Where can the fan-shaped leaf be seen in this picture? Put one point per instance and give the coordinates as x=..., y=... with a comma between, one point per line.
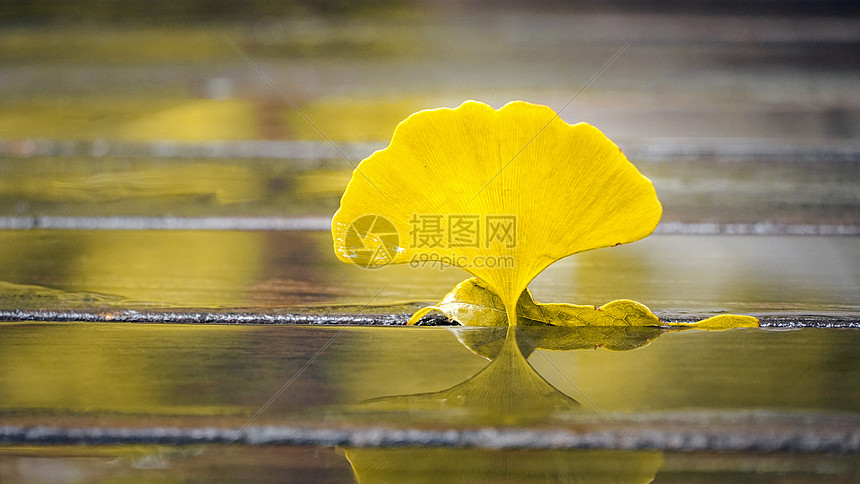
x=501, y=193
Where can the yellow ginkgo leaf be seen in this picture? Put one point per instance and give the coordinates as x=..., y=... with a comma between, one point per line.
x=473, y=303
x=723, y=321
x=500, y=193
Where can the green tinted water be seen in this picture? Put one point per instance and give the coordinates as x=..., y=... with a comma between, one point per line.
x=122, y=88
x=185, y=376
x=743, y=274
x=77, y=370
x=302, y=464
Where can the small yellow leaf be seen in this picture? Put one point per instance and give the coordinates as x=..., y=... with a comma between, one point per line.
x=473, y=303
x=616, y=313
x=723, y=321
x=530, y=188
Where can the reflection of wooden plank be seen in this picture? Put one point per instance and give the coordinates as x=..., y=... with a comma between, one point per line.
x=302, y=153
x=394, y=315
x=736, y=431
x=800, y=189
x=166, y=223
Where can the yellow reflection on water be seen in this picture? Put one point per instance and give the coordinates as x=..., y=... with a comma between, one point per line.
x=347, y=119
x=64, y=368
x=90, y=117
x=735, y=369
x=181, y=267
x=196, y=120
x=740, y=369
x=506, y=392
x=191, y=268
x=434, y=465
x=62, y=181
x=142, y=117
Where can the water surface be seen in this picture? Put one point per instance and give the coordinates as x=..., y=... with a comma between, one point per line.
x=740, y=389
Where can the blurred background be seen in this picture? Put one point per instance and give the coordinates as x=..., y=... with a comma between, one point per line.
x=189, y=155
x=120, y=119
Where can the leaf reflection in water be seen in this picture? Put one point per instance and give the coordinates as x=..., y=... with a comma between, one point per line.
x=506, y=392
x=435, y=465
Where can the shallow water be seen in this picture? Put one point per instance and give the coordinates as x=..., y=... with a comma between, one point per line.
x=327, y=465
x=746, y=124
x=745, y=391
x=756, y=183
x=696, y=274
x=131, y=371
